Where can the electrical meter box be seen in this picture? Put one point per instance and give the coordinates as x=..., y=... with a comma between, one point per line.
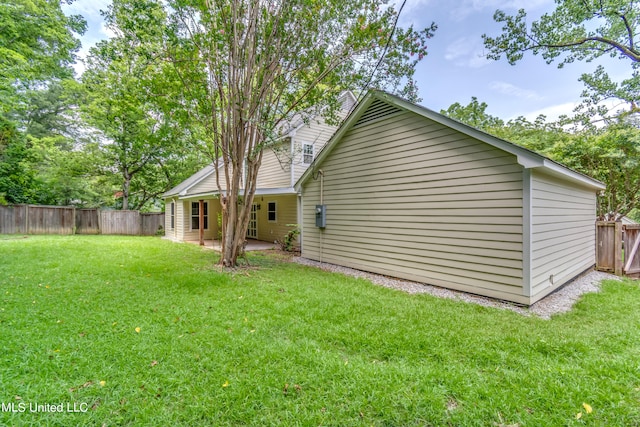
x=321, y=216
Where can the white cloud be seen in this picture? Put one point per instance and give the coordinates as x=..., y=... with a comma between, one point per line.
x=418, y=13
x=468, y=7
x=552, y=112
x=96, y=28
x=90, y=9
x=513, y=90
x=106, y=31
x=466, y=52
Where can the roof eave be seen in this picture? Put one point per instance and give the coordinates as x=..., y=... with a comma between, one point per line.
x=557, y=169
x=526, y=158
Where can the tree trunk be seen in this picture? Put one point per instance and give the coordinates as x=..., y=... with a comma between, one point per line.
x=236, y=211
x=125, y=193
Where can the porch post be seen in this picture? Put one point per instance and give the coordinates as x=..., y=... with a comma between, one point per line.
x=201, y=224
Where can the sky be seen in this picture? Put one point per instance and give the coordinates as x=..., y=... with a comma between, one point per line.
x=455, y=69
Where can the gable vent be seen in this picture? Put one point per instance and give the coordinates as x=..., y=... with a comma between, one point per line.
x=376, y=111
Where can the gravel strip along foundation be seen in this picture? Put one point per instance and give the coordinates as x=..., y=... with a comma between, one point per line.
x=560, y=301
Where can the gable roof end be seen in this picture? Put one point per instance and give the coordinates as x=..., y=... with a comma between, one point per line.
x=525, y=157
x=194, y=179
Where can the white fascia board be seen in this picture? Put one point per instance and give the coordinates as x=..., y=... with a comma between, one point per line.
x=526, y=158
x=199, y=196
x=273, y=191
x=328, y=147
x=259, y=192
x=558, y=169
x=205, y=176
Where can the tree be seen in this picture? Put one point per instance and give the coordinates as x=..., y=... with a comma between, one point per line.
x=578, y=30
x=611, y=154
x=474, y=114
x=37, y=44
x=248, y=66
x=129, y=101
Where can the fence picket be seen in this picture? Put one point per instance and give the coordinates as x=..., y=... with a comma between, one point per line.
x=34, y=219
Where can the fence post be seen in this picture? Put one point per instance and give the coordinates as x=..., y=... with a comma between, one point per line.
x=26, y=219
x=617, y=245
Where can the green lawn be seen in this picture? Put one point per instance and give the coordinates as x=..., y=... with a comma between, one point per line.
x=283, y=344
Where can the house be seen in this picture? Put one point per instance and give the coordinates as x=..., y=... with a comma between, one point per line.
x=275, y=205
x=403, y=191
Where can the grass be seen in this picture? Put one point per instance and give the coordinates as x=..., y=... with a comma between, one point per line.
x=284, y=344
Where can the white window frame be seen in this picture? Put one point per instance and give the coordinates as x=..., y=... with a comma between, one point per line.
x=305, y=153
x=206, y=216
x=275, y=212
x=172, y=215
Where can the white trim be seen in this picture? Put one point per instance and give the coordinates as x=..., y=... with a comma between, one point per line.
x=172, y=215
x=527, y=230
x=300, y=206
x=525, y=157
x=259, y=192
x=274, y=191
x=292, y=164
x=198, y=181
x=275, y=204
x=559, y=170
x=253, y=211
x=304, y=145
x=191, y=216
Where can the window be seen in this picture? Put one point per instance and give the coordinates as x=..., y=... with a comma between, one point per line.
x=173, y=215
x=307, y=154
x=271, y=211
x=195, y=215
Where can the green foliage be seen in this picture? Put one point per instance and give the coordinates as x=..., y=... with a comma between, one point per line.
x=37, y=43
x=17, y=181
x=474, y=114
x=283, y=344
x=143, y=144
x=635, y=215
x=289, y=239
x=611, y=154
x=578, y=31
x=249, y=67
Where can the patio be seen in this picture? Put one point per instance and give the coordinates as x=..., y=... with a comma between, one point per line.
x=252, y=245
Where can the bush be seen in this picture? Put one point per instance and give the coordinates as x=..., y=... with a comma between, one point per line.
x=287, y=243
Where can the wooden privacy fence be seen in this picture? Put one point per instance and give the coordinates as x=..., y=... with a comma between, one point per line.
x=131, y=223
x=618, y=248
x=28, y=219
x=33, y=219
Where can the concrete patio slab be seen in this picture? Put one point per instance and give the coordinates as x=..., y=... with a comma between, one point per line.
x=252, y=245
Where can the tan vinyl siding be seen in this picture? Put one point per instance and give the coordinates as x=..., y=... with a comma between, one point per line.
x=316, y=133
x=208, y=184
x=170, y=232
x=286, y=213
x=275, y=170
x=179, y=232
x=413, y=199
x=563, y=232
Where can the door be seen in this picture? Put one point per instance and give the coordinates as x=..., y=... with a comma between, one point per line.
x=252, y=229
